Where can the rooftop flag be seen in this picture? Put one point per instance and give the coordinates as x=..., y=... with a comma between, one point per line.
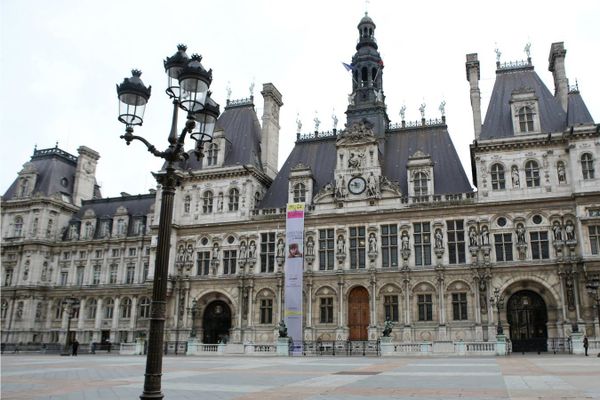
x=348, y=66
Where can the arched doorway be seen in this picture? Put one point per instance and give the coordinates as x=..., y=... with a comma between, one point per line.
x=527, y=316
x=216, y=322
x=358, y=313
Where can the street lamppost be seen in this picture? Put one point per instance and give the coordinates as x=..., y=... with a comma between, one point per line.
x=193, y=310
x=69, y=306
x=498, y=300
x=593, y=289
x=188, y=84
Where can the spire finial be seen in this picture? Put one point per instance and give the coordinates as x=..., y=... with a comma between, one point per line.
x=56, y=145
x=367, y=7
x=252, y=88
x=335, y=119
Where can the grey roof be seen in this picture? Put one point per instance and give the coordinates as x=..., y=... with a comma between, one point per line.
x=577, y=112
x=137, y=205
x=243, y=135
x=51, y=166
x=400, y=144
x=498, y=120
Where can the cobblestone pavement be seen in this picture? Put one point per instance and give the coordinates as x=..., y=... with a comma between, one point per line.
x=90, y=377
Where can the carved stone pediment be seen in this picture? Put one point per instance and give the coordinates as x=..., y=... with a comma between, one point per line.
x=357, y=133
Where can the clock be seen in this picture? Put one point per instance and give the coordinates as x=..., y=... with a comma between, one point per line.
x=357, y=185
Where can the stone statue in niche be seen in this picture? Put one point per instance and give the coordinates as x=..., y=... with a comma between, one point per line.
x=570, y=292
x=372, y=186
x=472, y=236
x=485, y=236
x=44, y=272
x=372, y=243
x=557, y=230
x=252, y=250
x=220, y=202
x=310, y=247
x=570, y=230
x=405, y=241
x=340, y=187
x=520, y=234
x=280, y=248
x=355, y=160
x=514, y=173
x=180, y=253
x=483, y=295
x=439, y=239
x=26, y=271
x=189, y=253
x=243, y=250
x=215, y=253
x=341, y=245
x=562, y=174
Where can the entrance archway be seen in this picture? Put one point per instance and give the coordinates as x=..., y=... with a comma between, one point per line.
x=216, y=322
x=358, y=313
x=527, y=315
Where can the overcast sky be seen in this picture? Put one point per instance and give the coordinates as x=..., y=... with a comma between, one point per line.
x=60, y=61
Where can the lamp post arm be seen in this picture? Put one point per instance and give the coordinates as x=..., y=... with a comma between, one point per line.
x=129, y=137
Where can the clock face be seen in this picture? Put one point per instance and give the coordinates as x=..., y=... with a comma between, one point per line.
x=357, y=185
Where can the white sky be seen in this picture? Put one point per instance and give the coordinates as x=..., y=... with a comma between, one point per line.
x=60, y=61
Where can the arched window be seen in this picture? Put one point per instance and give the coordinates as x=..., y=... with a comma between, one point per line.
x=212, y=153
x=587, y=166
x=126, y=308
x=420, y=184
x=299, y=193
x=18, y=227
x=498, y=182
x=207, y=202
x=92, y=306
x=532, y=174
x=109, y=306
x=144, y=307
x=525, y=119
x=186, y=204
x=234, y=199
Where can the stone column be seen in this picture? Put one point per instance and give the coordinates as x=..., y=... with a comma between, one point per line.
x=309, y=288
x=280, y=313
x=341, y=304
x=563, y=296
x=250, y=305
x=115, y=317
x=81, y=318
x=133, y=317
x=98, y=322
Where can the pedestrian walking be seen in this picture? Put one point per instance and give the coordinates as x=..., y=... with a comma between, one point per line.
x=75, y=347
x=585, y=345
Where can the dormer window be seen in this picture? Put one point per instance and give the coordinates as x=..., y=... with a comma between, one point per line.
x=211, y=154
x=299, y=193
x=532, y=174
x=207, y=202
x=420, y=184
x=234, y=199
x=525, y=116
x=121, y=227
x=498, y=181
x=24, y=187
x=587, y=166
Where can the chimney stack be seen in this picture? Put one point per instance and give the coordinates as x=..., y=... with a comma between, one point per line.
x=270, y=129
x=556, y=65
x=473, y=76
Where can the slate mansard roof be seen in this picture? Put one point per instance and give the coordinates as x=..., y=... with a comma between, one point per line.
x=136, y=205
x=398, y=144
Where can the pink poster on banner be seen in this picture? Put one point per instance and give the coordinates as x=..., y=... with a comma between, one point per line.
x=294, y=269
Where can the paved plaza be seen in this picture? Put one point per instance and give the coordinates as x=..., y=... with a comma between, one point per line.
x=89, y=377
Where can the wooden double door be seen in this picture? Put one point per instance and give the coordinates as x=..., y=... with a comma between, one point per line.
x=358, y=314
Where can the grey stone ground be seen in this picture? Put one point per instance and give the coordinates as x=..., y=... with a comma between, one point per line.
x=121, y=377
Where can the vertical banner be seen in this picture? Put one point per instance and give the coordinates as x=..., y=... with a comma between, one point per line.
x=294, y=270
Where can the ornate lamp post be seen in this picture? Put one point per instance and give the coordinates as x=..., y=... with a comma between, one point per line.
x=193, y=310
x=497, y=300
x=69, y=306
x=593, y=289
x=188, y=84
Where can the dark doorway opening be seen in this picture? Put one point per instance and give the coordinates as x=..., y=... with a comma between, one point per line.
x=358, y=314
x=216, y=322
x=527, y=316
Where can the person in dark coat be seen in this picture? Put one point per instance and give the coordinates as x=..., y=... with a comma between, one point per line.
x=585, y=345
x=75, y=347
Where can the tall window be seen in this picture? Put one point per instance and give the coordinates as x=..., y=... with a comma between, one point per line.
x=8, y=274
x=267, y=252
x=64, y=278
x=299, y=193
x=109, y=306
x=187, y=200
x=326, y=249
x=212, y=153
x=326, y=310
x=587, y=166
x=422, y=234
x=18, y=227
x=113, y=273
x=144, y=307
x=207, y=202
x=4, y=309
x=234, y=199
x=50, y=228
x=420, y=184
x=79, y=276
x=121, y=227
x=229, y=261
x=532, y=174
x=126, y=308
x=594, y=231
x=539, y=245
x=357, y=247
x=425, y=306
x=459, y=306
x=456, y=241
x=96, y=275
x=525, y=119
x=503, y=246
x=92, y=306
x=498, y=182
x=203, y=263
x=389, y=246
x=130, y=278
x=390, y=306
x=146, y=271
x=266, y=311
